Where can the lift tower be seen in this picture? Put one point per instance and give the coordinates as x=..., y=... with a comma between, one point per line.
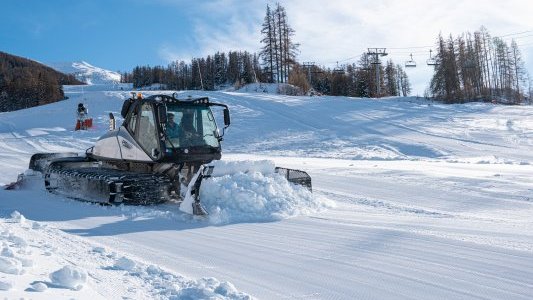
x=376, y=53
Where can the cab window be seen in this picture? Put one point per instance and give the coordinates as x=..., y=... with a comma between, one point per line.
x=132, y=123
x=209, y=128
x=146, y=132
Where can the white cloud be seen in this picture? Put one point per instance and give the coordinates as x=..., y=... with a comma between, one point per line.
x=170, y=53
x=233, y=32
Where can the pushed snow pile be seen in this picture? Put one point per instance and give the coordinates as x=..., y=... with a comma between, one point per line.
x=251, y=191
x=17, y=217
x=70, y=277
x=211, y=288
x=6, y=252
x=10, y=265
x=125, y=263
x=5, y=286
x=39, y=287
x=233, y=167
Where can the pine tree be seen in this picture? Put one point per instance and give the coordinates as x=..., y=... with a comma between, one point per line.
x=478, y=68
x=390, y=79
x=520, y=73
x=279, y=51
x=403, y=79
x=267, y=52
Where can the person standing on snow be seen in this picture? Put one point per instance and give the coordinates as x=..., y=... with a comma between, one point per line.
x=82, y=112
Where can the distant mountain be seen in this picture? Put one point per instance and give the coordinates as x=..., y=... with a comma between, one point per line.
x=26, y=83
x=87, y=73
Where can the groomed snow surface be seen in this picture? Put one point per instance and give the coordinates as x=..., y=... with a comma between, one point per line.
x=411, y=200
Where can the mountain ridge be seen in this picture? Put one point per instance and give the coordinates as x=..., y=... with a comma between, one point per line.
x=26, y=83
x=87, y=73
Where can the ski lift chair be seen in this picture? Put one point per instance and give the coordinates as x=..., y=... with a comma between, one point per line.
x=338, y=70
x=431, y=61
x=410, y=63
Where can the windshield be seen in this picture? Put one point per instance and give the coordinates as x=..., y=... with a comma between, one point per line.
x=190, y=126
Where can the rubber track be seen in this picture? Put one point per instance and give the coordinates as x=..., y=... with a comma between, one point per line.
x=110, y=186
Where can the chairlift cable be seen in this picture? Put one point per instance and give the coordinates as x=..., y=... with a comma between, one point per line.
x=517, y=33
x=402, y=48
x=431, y=47
x=521, y=37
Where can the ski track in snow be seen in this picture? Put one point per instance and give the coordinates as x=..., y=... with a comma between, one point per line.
x=412, y=200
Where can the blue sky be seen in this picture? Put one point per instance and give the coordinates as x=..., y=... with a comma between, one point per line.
x=120, y=34
x=113, y=34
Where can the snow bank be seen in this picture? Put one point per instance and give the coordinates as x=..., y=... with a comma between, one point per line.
x=14, y=250
x=68, y=260
x=211, y=288
x=271, y=88
x=169, y=286
x=251, y=191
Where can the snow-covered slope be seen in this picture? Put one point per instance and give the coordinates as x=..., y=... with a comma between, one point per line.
x=88, y=73
x=412, y=200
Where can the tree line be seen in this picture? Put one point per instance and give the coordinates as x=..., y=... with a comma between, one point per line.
x=275, y=63
x=25, y=83
x=209, y=73
x=361, y=79
x=239, y=68
x=473, y=67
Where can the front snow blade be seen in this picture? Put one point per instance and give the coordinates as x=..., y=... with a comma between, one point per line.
x=40, y=161
x=191, y=202
x=296, y=177
x=15, y=184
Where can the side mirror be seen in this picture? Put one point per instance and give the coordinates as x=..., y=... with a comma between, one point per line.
x=227, y=119
x=125, y=107
x=162, y=113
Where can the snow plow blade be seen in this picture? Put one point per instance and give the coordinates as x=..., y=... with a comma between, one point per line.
x=296, y=176
x=40, y=161
x=191, y=199
x=15, y=184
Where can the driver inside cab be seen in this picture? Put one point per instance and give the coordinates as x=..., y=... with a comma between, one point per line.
x=188, y=133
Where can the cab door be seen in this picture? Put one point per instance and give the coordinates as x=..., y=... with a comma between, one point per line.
x=128, y=137
x=147, y=132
